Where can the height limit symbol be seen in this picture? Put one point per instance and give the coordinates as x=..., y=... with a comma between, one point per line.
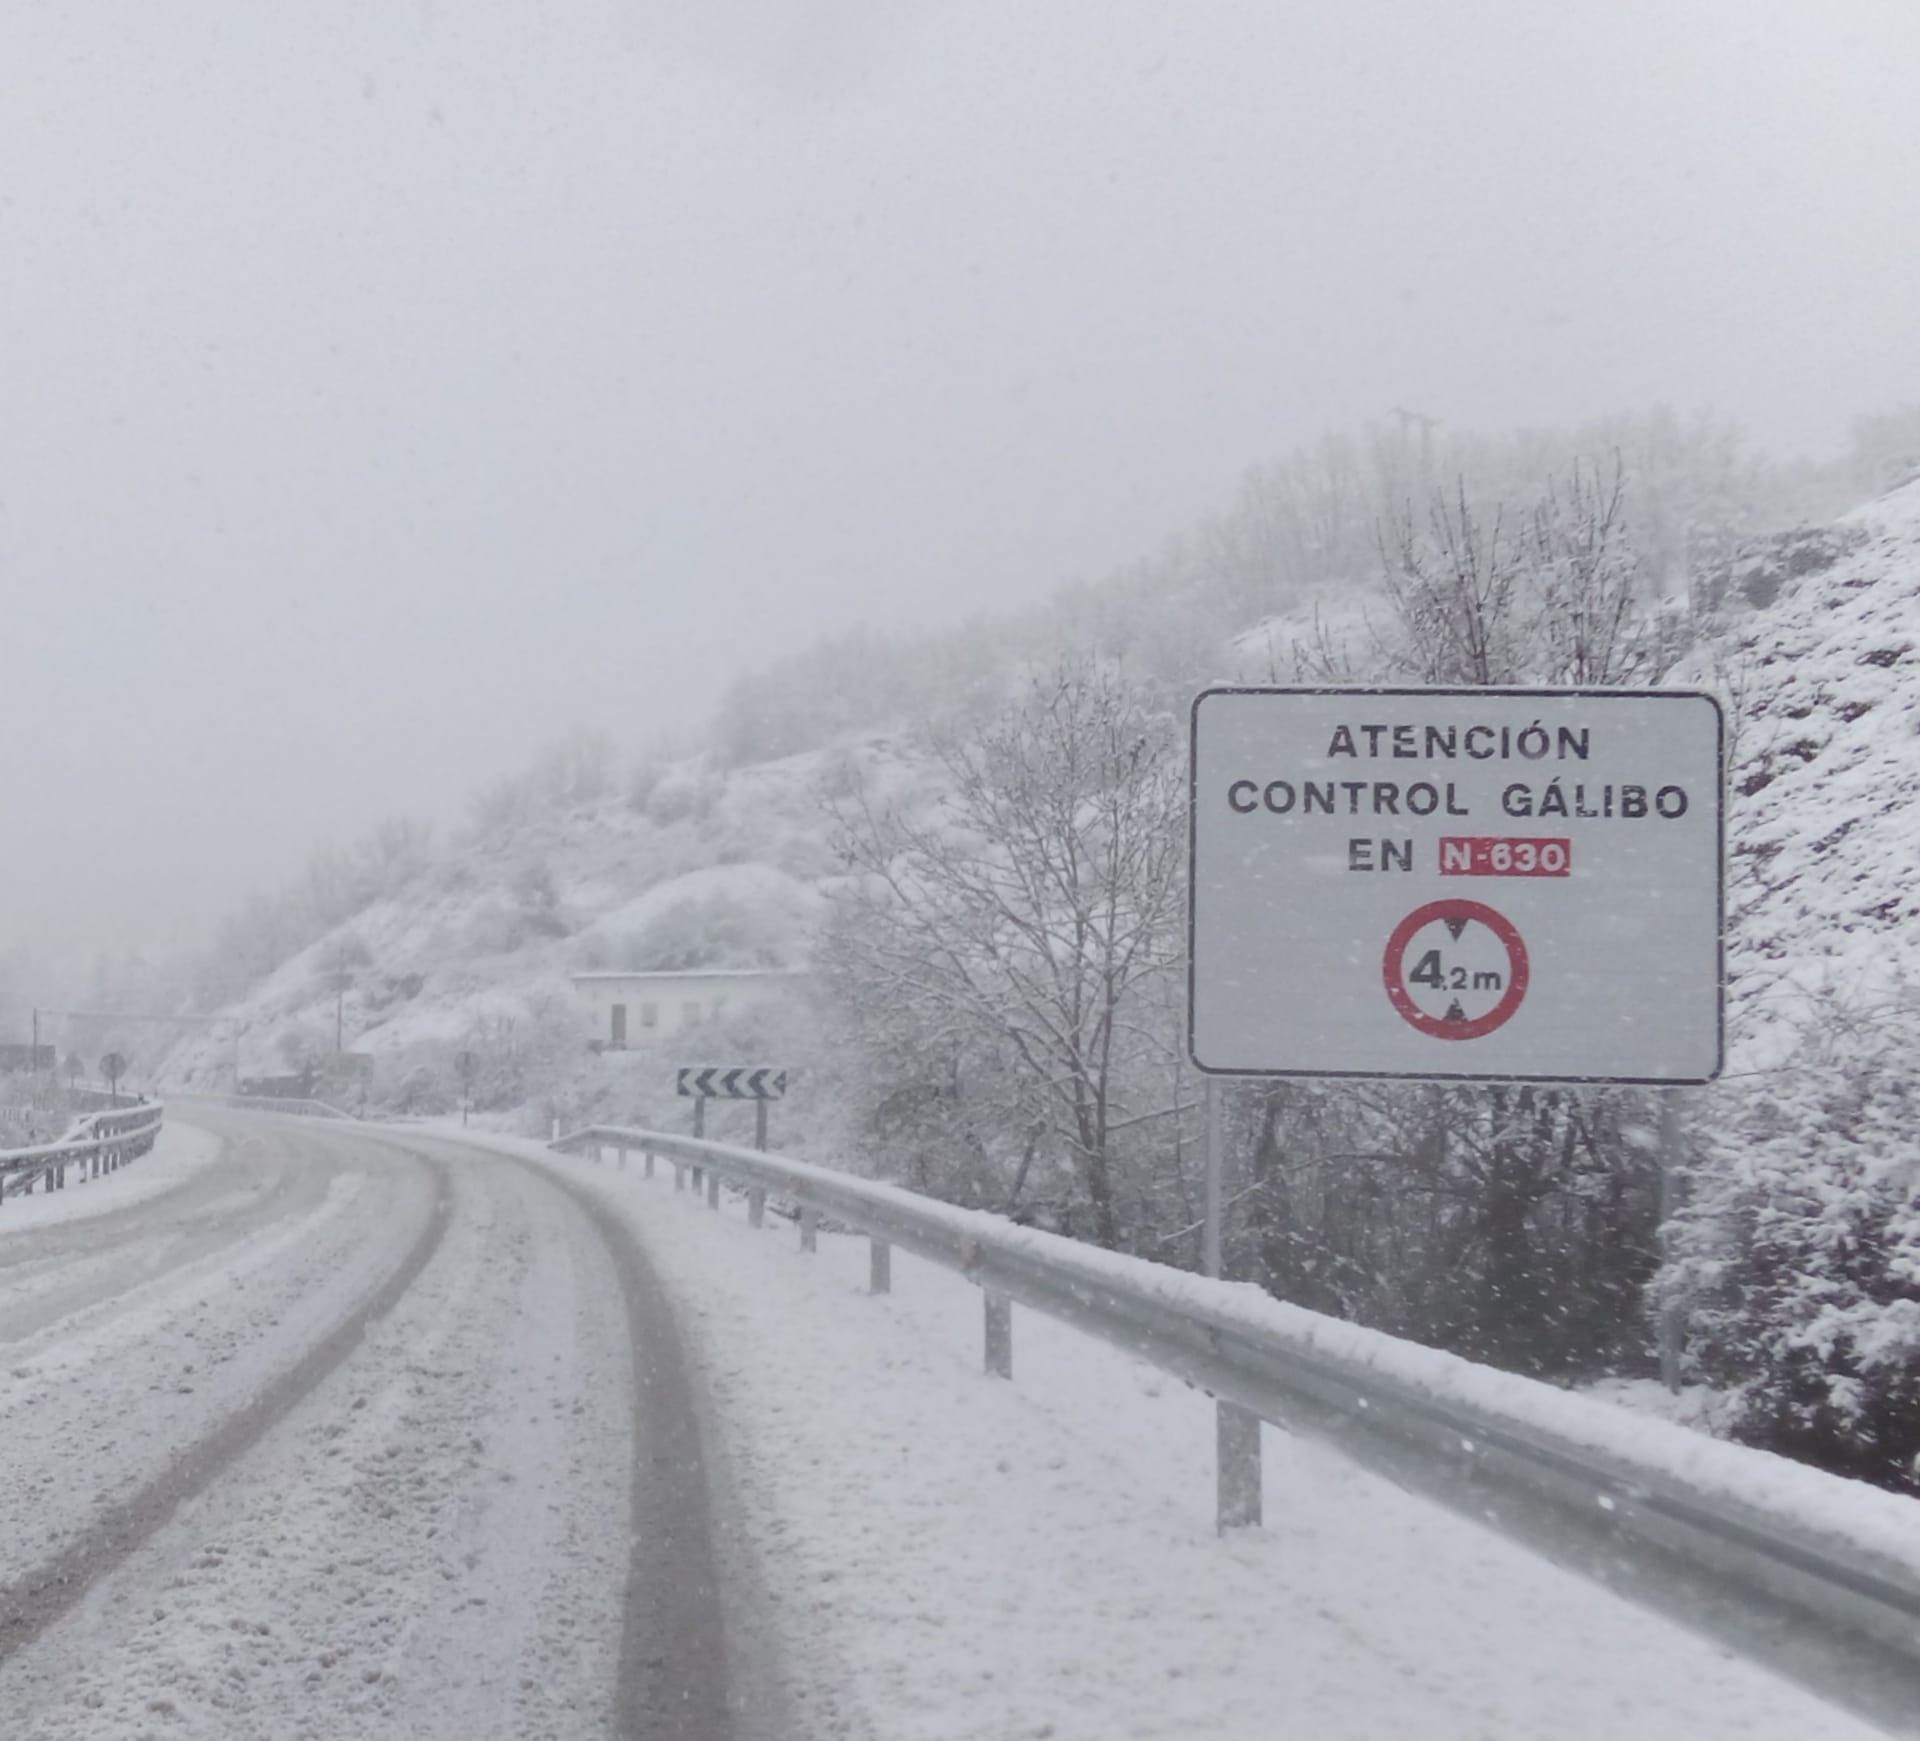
x=1456, y=969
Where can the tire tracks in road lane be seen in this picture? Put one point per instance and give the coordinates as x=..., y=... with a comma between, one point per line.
x=687, y=1648
x=47, y=1274
x=32, y=1603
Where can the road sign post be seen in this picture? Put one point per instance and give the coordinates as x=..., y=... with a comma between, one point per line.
x=1466, y=885
x=113, y=1067
x=759, y=1083
x=465, y=1063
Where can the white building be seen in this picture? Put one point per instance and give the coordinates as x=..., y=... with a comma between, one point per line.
x=626, y=1009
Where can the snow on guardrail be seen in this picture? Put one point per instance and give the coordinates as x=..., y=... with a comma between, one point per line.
x=1817, y=1576
x=98, y=1144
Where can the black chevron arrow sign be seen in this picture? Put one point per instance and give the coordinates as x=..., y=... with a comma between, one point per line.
x=733, y=1081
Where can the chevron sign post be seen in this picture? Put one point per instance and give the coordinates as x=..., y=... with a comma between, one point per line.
x=759, y=1083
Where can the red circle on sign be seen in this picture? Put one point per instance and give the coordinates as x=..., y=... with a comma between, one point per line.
x=1468, y=912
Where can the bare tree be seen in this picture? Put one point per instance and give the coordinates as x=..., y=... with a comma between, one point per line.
x=1022, y=917
x=1550, y=595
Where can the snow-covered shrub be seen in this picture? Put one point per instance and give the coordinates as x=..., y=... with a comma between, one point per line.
x=682, y=794
x=538, y=898
x=714, y=930
x=1796, y=1269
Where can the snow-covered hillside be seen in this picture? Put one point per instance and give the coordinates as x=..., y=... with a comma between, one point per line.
x=713, y=868
x=704, y=869
x=1824, y=818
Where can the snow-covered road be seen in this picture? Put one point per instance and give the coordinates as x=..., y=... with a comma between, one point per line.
x=330, y=1433
x=338, y=1438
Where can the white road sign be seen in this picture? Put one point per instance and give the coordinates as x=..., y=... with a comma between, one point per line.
x=1479, y=884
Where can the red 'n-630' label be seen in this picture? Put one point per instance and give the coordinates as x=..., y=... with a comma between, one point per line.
x=1486, y=855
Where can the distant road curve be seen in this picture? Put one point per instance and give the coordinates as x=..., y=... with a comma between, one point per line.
x=356, y=1434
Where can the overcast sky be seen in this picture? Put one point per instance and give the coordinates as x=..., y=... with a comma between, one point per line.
x=385, y=386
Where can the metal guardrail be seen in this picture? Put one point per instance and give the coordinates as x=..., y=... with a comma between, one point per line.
x=1718, y=1548
x=98, y=1144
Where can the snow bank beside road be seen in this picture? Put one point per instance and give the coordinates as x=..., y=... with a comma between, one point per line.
x=956, y=1559
x=1772, y=1491
x=181, y=1151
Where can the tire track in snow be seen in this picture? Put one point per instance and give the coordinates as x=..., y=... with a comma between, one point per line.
x=432, y=1547
x=678, y=1679
x=48, y=1275
x=31, y=1604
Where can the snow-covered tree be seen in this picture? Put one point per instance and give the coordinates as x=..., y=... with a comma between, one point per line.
x=1015, y=926
x=1796, y=1269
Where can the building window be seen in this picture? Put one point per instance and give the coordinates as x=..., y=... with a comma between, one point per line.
x=649, y=1015
x=619, y=1026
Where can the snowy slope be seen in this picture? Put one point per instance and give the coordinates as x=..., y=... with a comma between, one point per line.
x=705, y=868
x=1823, y=823
x=489, y=933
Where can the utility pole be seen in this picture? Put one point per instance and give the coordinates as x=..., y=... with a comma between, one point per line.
x=1426, y=425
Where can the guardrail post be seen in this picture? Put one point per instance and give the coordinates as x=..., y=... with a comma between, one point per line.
x=879, y=1267
x=713, y=1190
x=646, y=1155
x=809, y=1229
x=679, y=1177
x=620, y=1155
x=1237, y=1460
x=699, y=1178
x=756, y=1207
x=999, y=1335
